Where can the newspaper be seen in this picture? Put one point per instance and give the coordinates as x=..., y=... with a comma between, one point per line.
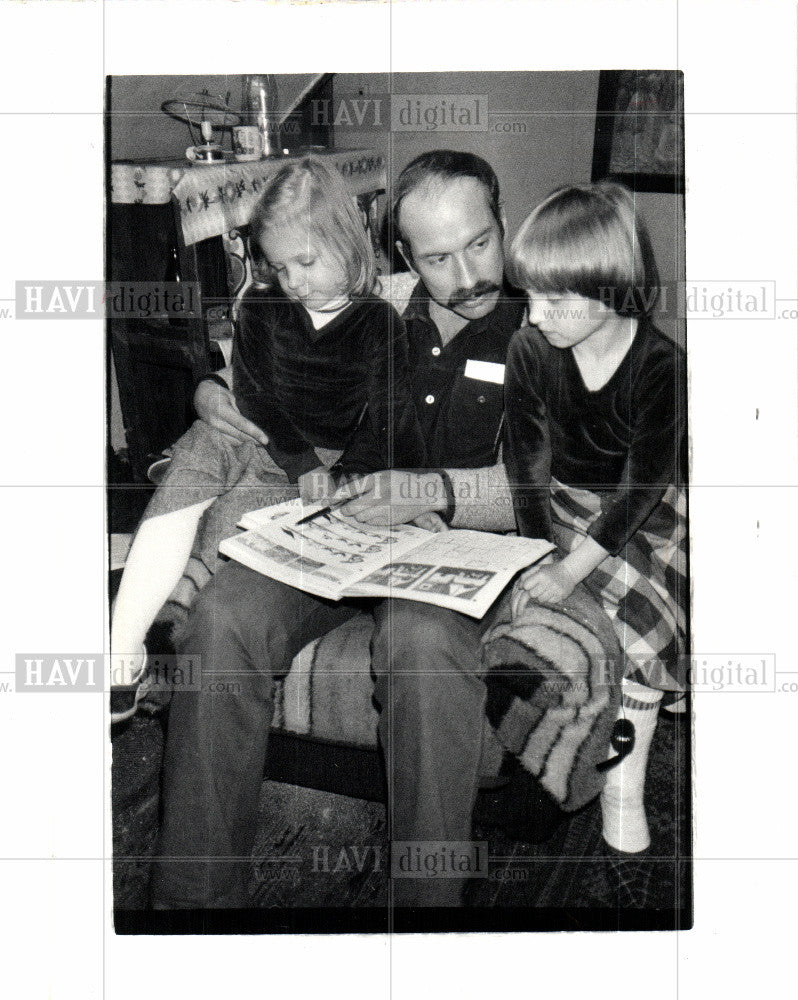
x=335, y=556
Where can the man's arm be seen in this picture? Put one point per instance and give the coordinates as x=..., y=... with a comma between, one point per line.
x=482, y=498
x=215, y=404
x=475, y=498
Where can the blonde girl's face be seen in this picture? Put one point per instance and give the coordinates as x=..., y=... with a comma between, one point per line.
x=566, y=319
x=308, y=273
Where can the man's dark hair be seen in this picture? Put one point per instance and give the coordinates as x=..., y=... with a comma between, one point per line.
x=444, y=165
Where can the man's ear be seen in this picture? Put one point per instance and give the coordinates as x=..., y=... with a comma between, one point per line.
x=406, y=256
x=503, y=220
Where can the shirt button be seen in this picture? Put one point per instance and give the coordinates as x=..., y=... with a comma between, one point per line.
x=436, y=351
x=480, y=399
x=429, y=399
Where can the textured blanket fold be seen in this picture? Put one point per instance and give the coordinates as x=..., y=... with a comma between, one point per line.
x=554, y=689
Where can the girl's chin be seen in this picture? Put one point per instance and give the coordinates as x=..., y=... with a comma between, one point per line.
x=318, y=302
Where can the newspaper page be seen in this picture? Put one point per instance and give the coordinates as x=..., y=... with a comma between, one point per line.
x=324, y=556
x=335, y=556
x=462, y=570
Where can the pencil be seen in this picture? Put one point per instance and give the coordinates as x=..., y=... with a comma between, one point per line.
x=322, y=512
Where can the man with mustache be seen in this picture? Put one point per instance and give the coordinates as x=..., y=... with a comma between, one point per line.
x=448, y=225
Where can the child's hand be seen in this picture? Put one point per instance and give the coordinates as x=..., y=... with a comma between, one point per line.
x=217, y=407
x=551, y=584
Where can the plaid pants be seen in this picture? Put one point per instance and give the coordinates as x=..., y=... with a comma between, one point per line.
x=644, y=589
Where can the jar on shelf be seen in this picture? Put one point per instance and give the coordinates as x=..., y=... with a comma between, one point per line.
x=260, y=108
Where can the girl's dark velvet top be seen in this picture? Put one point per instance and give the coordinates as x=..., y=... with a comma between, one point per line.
x=342, y=387
x=623, y=441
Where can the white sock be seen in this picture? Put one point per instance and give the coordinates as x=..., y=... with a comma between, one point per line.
x=623, y=813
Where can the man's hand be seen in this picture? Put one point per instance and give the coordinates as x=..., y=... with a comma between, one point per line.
x=551, y=583
x=217, y=407
x=431, y=522
x=316, y=485
x=392, y=497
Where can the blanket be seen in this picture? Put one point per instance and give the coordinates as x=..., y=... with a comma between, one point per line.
x=554, y=689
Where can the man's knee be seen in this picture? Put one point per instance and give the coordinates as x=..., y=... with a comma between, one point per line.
x=251, y=621
x=226, y=611
x=414, y=638
x=405, y=630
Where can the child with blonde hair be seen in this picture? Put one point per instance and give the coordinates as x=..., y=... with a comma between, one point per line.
x=319, y=365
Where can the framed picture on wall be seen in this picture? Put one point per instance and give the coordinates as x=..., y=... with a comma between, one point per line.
x=639, y=137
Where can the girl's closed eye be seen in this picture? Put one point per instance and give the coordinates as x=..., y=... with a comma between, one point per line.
x=307, y=270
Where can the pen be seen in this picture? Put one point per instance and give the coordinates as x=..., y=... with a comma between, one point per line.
x=322, y=512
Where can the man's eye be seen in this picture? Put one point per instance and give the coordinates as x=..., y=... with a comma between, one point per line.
x=308, y=263
x=481, y=244
x=439, y=260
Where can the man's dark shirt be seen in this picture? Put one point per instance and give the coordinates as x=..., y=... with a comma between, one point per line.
x=461, y=418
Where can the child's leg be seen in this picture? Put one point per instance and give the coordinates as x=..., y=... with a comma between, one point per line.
x=154, y=565
x=203, y=464
x=622, y=810
x=260, y=483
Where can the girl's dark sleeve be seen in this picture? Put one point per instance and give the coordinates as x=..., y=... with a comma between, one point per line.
x=253, y=389
x=388, y=435
x=527, y=451
x=658, y=431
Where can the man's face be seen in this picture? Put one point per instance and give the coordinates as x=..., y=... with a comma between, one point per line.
x=454, y=243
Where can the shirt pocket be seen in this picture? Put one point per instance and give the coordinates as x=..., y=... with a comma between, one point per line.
x=475, y=420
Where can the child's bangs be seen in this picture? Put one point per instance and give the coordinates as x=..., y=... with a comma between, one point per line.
x=572, y=248
x=541, y=262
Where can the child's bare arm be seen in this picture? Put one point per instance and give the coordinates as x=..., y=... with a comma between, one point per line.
x=553, y=582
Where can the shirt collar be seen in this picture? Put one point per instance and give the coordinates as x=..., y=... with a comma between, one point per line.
x=418, y=304
x=507, y=308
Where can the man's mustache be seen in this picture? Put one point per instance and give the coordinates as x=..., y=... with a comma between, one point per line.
x=466, y=294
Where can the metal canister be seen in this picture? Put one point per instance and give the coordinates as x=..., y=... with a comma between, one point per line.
x=260, y=106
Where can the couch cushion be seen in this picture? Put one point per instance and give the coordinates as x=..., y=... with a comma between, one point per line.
x=328, y=691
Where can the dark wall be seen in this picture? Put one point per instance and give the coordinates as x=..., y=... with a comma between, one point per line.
x=140, y=130
x=541, y=136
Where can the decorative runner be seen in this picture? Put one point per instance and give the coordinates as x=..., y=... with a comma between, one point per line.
x=216, y=198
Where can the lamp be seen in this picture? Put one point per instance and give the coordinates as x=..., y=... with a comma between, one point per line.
x=207, y=112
